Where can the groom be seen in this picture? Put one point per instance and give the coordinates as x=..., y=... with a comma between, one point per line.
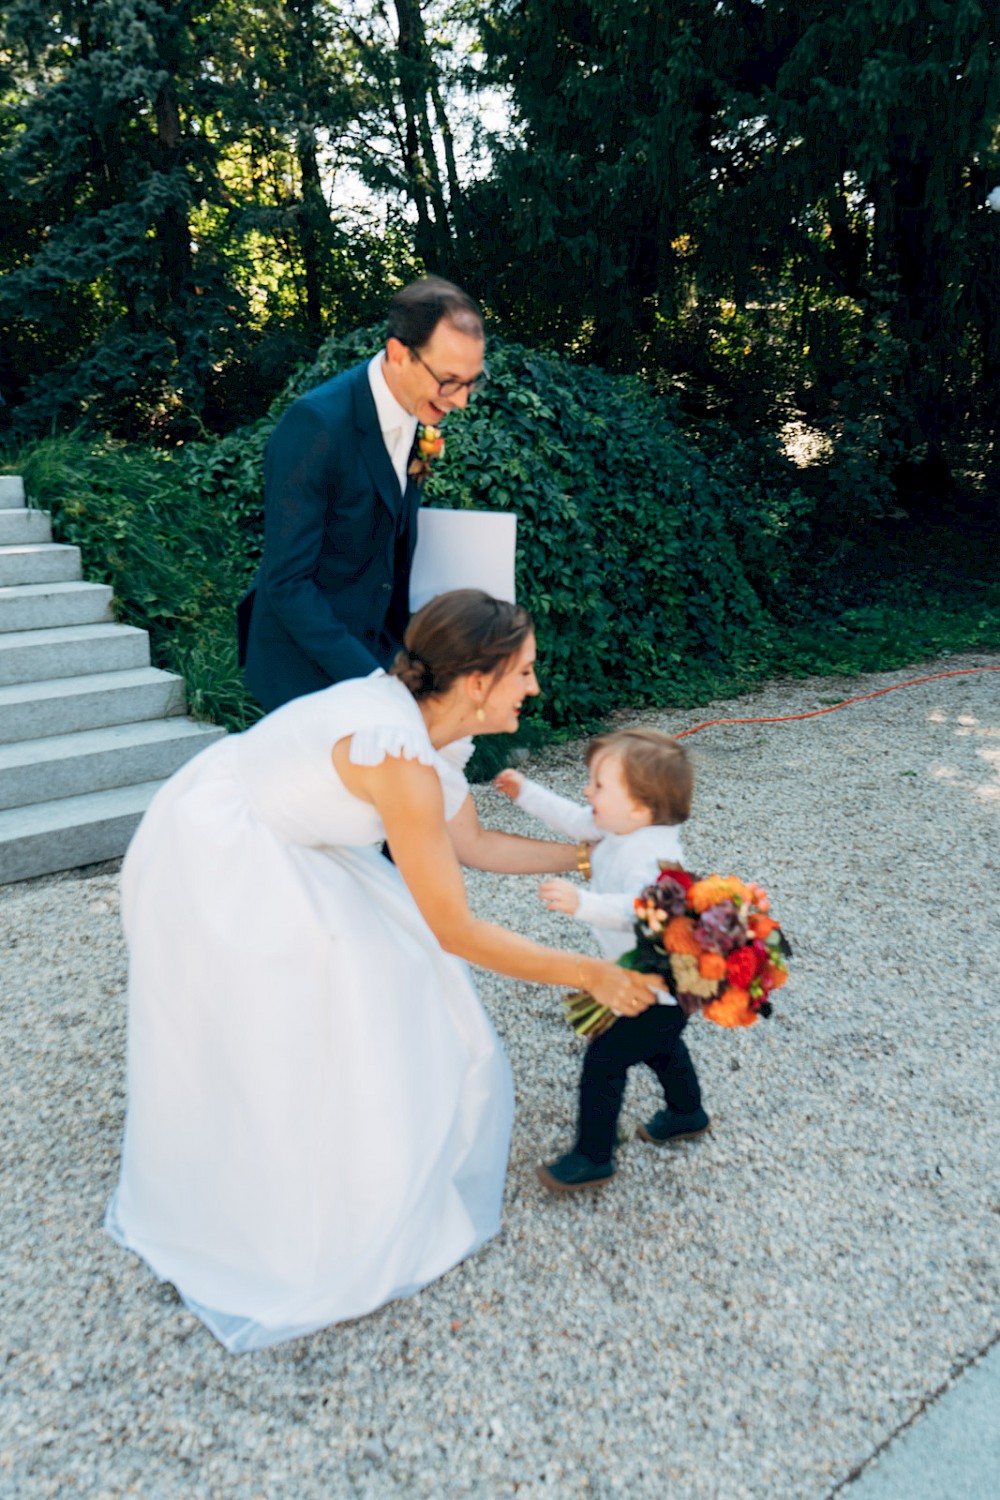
x=331, y=596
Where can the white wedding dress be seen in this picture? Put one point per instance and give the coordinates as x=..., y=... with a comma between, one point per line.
x=319, y=1110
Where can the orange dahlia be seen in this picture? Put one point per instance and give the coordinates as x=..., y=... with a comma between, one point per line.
x=678, y=937
x=712, y=966
x=760, y=925
x=716, y=888
x=731, y=1009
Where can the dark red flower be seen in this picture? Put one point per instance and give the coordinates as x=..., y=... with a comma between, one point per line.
x=683, y=879
x=763, y=957
x=741, y=967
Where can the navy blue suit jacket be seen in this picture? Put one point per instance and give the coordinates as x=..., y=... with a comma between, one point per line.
x=331, y=596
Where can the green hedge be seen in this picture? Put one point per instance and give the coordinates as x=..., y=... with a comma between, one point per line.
x=650, y=569
x=655, y=572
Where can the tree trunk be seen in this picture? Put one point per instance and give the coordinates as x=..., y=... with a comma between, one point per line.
x=920, y=260
x=613, y=343
x=173, y=230
x=314, y=223
x=433, y=238
x=455, y=201
x=626, y=286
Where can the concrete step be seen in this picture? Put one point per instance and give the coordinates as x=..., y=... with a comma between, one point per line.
x=34, y=711
x=70, y=651
x=71, y=831
x=95, y=760
x=20, y=526
x=39, y=562
x=11, y=491
x=41, y=606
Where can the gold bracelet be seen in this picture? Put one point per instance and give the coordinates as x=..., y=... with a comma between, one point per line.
x=583, y=858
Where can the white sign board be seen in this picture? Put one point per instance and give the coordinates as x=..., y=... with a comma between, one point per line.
x=463, y=549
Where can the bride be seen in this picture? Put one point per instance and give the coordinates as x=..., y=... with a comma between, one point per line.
x=319, y=1110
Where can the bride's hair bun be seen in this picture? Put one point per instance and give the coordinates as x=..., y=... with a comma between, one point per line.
x=465, y=630
x=413, y=672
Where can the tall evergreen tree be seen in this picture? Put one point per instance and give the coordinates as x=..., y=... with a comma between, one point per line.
x=818, y=163
x=106, y=165
x=610, y=98
x=858, y=129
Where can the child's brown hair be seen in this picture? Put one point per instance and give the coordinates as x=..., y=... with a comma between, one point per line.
x=656, y=769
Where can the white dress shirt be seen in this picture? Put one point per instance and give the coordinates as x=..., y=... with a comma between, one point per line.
x=621, y=864
x=397, y=426
x=398, y=432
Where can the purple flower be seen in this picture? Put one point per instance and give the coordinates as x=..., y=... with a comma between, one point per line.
x=669, y=896
x=719, y=929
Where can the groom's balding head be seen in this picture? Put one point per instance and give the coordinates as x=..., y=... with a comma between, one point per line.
x=416, y=311
x=434, y=349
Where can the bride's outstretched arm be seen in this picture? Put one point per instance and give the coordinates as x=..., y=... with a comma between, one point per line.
x=408, y=798
x=482, y=848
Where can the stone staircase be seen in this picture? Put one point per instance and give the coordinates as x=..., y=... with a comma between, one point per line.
x=88, y=729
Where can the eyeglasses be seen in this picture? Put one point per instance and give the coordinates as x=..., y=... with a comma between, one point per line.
x=452, y=387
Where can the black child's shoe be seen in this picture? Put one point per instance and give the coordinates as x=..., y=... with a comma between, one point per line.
x=574, y=1171
x=670, y=1125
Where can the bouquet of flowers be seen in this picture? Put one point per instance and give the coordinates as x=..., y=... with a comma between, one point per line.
x=711, y=939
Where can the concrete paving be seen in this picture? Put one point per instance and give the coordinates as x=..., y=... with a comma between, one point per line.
x=775, y=1312
x=950, y=1452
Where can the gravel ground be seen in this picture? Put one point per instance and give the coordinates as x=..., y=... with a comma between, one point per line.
x=747, y=1316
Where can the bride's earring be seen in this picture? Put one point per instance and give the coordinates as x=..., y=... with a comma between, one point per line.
x=480, y=716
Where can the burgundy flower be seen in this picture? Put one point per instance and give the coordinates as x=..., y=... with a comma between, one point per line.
x=761, y=955
x=669, y=896
x=719, y=929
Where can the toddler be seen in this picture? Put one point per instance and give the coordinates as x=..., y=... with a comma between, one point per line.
x=639, y=790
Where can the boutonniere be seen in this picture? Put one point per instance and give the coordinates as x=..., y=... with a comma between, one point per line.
x=429, y=446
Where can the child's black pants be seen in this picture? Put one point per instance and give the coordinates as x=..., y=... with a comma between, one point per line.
x=653, y=1038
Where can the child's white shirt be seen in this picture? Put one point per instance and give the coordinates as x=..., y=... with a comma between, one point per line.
x=621, y=863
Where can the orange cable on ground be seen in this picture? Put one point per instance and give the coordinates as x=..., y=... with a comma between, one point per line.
x=786, y=718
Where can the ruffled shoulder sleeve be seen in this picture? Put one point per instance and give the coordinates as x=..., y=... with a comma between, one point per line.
x=370, y=746
x=394, y=727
